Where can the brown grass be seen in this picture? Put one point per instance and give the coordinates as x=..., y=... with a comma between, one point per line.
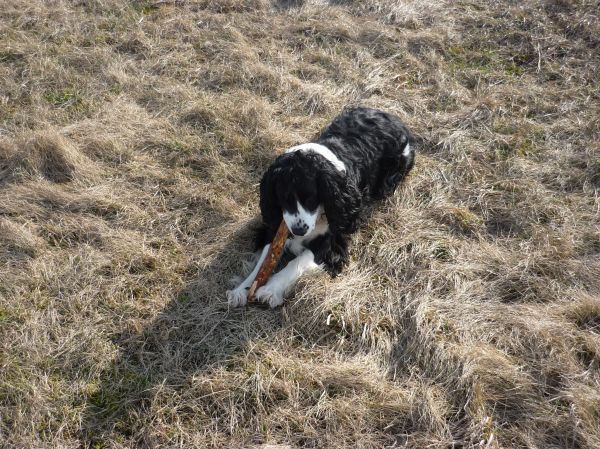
x=132, y=139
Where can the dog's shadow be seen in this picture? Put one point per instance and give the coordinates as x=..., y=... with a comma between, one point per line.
x=195, y=332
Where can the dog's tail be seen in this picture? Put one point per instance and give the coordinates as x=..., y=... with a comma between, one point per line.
x=397, y=163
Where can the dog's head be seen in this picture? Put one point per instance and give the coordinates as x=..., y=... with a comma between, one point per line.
x=300, y=186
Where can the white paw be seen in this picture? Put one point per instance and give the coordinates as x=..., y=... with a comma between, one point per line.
x=237, y=297
x=270, y=294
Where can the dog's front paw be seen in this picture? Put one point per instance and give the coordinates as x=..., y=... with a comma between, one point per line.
x=237, y=297
x=270, y=295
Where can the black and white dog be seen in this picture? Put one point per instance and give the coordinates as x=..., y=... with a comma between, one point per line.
x=322, y=189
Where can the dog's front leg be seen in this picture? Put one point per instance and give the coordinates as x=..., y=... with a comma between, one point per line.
x=239, y=296
x=274, y=290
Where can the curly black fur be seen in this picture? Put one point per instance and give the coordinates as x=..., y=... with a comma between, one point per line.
x=372, y=145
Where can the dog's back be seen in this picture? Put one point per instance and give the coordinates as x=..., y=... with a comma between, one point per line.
x=376, y=143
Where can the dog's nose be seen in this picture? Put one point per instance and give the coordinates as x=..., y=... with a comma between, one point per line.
x=299, y=230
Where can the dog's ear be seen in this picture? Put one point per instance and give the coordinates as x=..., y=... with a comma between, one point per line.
x=340, y=197
x=269, y=204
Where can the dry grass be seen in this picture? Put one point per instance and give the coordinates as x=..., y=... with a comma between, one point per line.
x=132, y=138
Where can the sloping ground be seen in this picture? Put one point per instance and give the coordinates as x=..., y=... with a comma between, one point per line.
x=132, y=139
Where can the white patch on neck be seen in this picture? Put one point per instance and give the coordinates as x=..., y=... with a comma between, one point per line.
x=323, y=151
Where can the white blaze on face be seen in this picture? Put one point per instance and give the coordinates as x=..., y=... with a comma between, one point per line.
x=302, y=219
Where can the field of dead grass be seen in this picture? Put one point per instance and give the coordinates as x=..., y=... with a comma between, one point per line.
x=132, y=139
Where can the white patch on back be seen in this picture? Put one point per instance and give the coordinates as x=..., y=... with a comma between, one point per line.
x=323, y=151
x=406, y=150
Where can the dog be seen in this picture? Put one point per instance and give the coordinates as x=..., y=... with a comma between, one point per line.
x=324, y=190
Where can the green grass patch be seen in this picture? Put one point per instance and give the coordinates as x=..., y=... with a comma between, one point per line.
x=504, y=150
x=184, y=297
x=518, y=138
x=595, y=172
x=463, y=59
x=146, y=8
x=513, y=69
x=64, y=98
x=441, y=252
x=92, y=41
x=7, y=317
x=10, y=56
x=485, y=61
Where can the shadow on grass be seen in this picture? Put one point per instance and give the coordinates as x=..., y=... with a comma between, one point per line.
x=283, y=5
x=194, y=333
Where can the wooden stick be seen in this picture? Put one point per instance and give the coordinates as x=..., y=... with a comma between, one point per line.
x=271, y=259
